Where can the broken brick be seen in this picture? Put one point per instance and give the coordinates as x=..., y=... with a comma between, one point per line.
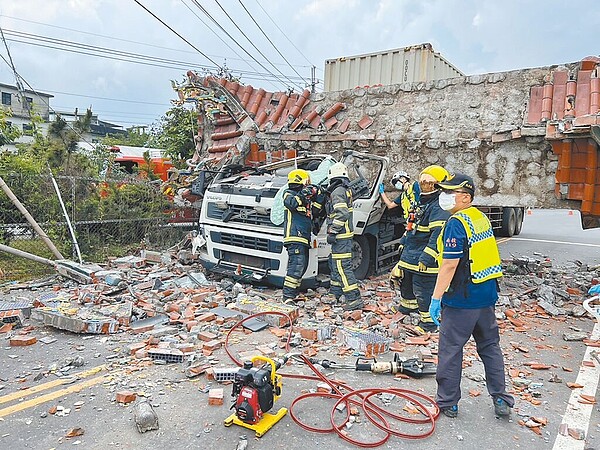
x=21, y=341
x=215, y=397
x=207, y=317
x=126, y=396
x=212, y=345
x=6, y=328
x=207, y=336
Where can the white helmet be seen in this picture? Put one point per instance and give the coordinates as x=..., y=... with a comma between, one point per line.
x=337, y=170
x=398, y=175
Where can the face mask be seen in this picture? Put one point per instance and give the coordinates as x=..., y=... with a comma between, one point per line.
x=447, y=201
x=399, y=185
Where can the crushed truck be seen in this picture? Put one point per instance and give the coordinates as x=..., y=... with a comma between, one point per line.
x=242, y=220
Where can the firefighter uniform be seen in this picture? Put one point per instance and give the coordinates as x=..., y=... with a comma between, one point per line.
x=408, y=199
x=340, y=231
x=297, y=226
x=418, y=258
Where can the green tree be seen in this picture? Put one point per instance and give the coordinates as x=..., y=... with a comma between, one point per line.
x=136, y=137
x=175, y=133
x=8, y=132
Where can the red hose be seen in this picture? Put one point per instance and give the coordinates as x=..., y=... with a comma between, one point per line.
x=366, y=404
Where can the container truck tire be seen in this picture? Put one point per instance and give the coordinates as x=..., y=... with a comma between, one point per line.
x=509, y=219
x=361, y=257
x=519, y=220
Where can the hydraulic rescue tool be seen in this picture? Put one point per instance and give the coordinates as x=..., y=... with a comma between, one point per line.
x=255, y=390
x=412, y=367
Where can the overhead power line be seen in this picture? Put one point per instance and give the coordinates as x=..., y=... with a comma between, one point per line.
x=270, y=41
x=254, y=45
x=216, y=22
x=146, y=44
x=179, y=35
x=117, y=55
x=285, y=35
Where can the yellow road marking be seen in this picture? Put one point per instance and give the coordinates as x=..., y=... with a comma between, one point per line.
x=49, y=385
x=52, y=395
x=502, y=240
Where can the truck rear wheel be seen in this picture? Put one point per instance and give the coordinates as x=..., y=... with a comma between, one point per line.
x=361, y=257
x=518, y=221
x=509, y=219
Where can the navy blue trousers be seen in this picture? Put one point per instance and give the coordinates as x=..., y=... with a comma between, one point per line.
x=456, y=328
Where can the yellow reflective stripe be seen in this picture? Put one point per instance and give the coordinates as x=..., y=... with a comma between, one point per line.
x=340, y=205
x=409, y=303
x=430, y=252
x=317, y=205
x=298, y=199
x=301, y=208
x=345, y=286
x=341, y=223
x=341, y=255
x=423, y=229
x=345, y=235
x=288, y=229
x=295, y=239
x=437, y=224
x=335, y=283
x=415, y=268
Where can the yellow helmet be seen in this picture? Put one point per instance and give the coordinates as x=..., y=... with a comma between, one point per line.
x=437, y=172
x=299, y=176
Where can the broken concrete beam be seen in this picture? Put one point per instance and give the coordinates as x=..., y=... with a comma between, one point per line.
x=75, y=324
x=133, y=262
x=549, y=308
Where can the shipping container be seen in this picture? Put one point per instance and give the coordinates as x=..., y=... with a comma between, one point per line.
x=403, y=65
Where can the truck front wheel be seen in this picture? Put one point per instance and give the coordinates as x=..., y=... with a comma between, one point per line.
x=361, y=257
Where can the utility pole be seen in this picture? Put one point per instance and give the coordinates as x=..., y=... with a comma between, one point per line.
x=313, y=79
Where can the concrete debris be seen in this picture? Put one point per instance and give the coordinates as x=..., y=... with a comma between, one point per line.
x=145, y=417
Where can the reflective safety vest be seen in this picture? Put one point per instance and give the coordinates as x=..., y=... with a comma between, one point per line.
x=484, y=258
x=409, y=199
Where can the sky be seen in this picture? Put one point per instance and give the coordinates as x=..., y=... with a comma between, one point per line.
x=476, y=36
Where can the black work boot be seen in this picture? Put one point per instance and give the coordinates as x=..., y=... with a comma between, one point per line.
x=501, y=408
x=450, y=411
x=352, y=305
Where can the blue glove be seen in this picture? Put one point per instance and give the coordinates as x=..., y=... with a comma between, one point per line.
x=594, y=290
x=435, y=310
x=381, y=188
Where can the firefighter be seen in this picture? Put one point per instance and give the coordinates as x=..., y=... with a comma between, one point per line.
x=409, y=194
x=340, y=233
x=297, y=227
x=416, y=272
x=464, y=298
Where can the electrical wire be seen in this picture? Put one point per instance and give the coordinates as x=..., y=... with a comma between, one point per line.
x=282, y=32
x=206, y=13
x=178, y=35
x=271, y=42
x=253, y=45
x=239, y=58
x=117, y=55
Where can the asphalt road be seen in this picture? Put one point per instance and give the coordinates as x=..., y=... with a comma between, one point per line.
x=187, y=422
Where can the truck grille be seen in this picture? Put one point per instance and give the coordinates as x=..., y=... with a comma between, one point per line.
x=238, y=214
x=240, y=241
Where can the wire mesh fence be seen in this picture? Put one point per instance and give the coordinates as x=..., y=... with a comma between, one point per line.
x=109, y=218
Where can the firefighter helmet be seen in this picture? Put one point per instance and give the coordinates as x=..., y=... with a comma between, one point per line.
x=338, y=170
x=299, y=176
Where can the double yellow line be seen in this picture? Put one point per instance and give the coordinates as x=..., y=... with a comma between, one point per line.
x=76, y=387
x=502, y=240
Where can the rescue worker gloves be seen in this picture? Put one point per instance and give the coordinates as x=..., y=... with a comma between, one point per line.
x=331, y=239
x=308, y=192
x=422, y=267
x=338, y=170
x=425, y=261
x=381, y=188
x=396, y=276
x=594, y=290
x=299, y=176
x=435, y=310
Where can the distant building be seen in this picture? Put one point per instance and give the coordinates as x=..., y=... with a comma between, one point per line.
x=36, y=102
x=98, y=128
